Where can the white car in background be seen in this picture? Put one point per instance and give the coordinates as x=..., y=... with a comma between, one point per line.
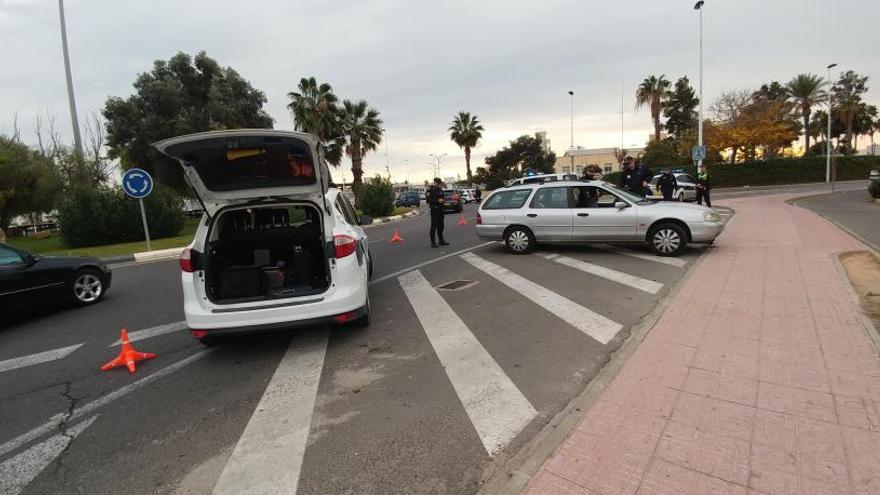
x=686, y=190
x=277, y=247
x=467, y=196
x=584, y=212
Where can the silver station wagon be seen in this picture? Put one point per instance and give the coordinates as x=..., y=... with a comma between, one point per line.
x=568, y=212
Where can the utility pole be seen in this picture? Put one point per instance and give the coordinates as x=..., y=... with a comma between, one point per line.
x=828, y=149
x=699, y=7
x=571, y=97
x=77, y=140
x=621, y=126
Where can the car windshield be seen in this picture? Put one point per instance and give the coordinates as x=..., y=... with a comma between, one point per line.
x=626, y=194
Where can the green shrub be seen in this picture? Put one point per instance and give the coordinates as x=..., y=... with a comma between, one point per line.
x=92, y=216
x=376, y=197
x=779, y=171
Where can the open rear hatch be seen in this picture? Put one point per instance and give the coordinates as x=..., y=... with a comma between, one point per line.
x=237, y=166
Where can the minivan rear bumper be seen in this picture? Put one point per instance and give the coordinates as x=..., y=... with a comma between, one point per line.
x=340, y=319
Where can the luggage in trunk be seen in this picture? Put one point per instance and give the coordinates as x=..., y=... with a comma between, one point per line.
x=266, y=252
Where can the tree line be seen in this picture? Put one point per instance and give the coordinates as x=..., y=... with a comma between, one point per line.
x=746, y=125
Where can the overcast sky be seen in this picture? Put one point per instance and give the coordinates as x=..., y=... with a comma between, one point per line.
x=511, y=62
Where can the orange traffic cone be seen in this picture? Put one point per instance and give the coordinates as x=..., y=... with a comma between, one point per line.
x=462, y=220
x=396, y=237
x=128, y=356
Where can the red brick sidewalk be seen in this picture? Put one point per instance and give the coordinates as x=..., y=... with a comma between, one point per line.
x=759, y=378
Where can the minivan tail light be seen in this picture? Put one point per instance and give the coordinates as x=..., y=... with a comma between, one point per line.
x=186, y=262
x=479, y=219
x=344, y=244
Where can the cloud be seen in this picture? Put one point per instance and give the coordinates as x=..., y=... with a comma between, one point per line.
x=510, y=62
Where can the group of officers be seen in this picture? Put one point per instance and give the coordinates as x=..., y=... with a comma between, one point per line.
x=636, y=178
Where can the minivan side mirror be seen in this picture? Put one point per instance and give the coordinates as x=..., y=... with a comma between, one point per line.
x=365, y=220
x=620, y=205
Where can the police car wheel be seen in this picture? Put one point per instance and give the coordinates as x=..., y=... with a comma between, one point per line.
x=519, y=240
x=681, y=198
x=364, y=321
x=667, y=239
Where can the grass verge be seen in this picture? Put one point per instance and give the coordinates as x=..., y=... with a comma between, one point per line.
x=52, y=245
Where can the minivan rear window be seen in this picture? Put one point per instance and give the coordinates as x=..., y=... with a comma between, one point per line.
x=505, y=200
x=248, y=162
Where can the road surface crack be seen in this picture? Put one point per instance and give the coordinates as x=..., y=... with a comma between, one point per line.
x=62, y=423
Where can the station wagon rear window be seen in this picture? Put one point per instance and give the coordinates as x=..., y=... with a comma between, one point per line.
x=507, y=200
x=248, y=162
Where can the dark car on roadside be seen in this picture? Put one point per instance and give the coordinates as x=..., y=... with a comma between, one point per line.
x=30, y=280
x=408, y=198
x=453, y=200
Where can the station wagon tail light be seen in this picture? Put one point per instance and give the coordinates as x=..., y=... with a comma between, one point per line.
x=479, y=219
x=345, y=245
x=456, y=197
x=186, y=262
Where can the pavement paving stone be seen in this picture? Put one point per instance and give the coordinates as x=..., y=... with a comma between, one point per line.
x=758, y=378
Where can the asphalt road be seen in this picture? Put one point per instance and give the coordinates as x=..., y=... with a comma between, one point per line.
x=442, y=382
x=853, y=210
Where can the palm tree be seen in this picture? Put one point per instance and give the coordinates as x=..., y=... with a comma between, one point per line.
x=805, y=91
x=466, y=132
x=653, y=92
x=315, y=111
x=362, y=131
x=848, y=102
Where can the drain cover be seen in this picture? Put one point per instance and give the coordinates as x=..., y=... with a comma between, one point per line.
x=456, y=285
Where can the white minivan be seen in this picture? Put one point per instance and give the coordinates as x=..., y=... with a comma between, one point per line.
x=277, y=247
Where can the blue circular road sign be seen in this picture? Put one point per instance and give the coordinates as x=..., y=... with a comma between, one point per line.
x=137, y=183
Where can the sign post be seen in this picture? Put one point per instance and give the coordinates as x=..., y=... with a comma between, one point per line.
x=698, y=153
x=138, y=184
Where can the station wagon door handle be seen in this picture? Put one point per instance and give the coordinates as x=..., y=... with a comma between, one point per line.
x=583, y=214
x=532, y=215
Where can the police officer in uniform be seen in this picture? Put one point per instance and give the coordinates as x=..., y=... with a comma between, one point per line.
x=704, y=185
x=434, y=198
x=667, y=184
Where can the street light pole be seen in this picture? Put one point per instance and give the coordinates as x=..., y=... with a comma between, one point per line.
x=571, y=149
x=77, y=141
x=828, y=136
x=699, y=7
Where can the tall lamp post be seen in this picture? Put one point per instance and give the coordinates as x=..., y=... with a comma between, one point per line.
x=77, y=141
x=438, y=158
x=571, y=149
x=828, y=136
x=699, y=7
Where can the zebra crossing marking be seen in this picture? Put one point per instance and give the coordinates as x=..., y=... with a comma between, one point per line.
x=587, y=321
x=269, y=454
x=622, y=278
x=495, y=406
x=677, y=262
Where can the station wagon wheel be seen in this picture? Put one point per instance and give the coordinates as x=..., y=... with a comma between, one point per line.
x=87, y=287
x=519, y=240
x=668, y=239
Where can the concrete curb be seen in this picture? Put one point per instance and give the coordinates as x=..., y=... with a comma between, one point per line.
x=868, y=244
x=394, y=218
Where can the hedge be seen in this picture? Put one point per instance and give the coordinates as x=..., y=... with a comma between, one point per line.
x=376, y=197
x=780, y=171
x=90, y=216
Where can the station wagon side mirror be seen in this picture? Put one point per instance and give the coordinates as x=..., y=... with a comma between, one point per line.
x=365, y=220
x=620, y=205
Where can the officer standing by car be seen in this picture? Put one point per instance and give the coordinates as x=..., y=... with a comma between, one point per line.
x=635, y=180
x=667, y=184
x=435, y=199
x=704, y=185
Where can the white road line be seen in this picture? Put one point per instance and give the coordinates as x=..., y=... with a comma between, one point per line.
x=647, y=257
x=38, y=358
x=585, y=320
x=426, y=263
x=152, y=332
x=268, y=457
x=119, y=393
x=497, y=409
x=639, y=283
x=17, y=472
